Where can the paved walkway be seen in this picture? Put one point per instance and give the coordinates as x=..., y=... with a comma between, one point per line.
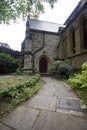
x=54, y=107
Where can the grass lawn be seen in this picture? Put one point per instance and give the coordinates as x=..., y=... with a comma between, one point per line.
x=22, y=94
x=11, y=80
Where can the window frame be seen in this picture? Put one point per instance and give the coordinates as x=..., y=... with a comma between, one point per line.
x=85, y=33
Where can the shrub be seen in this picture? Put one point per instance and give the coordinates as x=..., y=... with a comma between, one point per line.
x=4, y=94
x=62, y=68
x=18, y=90
x=79, y=81
x=8, y=64
x=19, y=71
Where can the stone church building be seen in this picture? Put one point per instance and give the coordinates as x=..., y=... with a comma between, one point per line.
x=45, y=42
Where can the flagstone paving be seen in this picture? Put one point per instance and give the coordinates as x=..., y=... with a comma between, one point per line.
x=54, y=107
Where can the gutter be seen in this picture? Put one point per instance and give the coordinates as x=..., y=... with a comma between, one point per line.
x=77, y=14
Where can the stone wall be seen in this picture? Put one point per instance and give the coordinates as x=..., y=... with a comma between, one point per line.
x=41, y=45
x=76, y=59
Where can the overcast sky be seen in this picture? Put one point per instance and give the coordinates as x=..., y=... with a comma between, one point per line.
x=15, y=33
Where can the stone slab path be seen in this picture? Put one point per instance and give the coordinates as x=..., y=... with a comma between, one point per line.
x=54, y=107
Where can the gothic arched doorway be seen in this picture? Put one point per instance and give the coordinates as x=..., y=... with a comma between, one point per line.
x=43, y=65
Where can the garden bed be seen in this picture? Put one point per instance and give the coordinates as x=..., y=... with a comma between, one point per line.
x=12, y=95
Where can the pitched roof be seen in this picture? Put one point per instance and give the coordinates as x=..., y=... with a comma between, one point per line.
x=43, y=26
x=4, y=45
x=73, y=14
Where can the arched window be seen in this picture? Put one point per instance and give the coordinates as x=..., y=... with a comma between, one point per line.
x=73, y=42
x=85, y=33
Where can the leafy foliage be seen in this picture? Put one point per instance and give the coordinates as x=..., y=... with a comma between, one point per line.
x=18, y=90
x=80, y=80
x=62, y=68
x=13, y=9
x=15, y=54
x=13, y=95
x=8, y=64
x=19, y=71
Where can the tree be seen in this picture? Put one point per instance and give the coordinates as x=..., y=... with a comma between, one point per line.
x=8, y=64
x=13, y=9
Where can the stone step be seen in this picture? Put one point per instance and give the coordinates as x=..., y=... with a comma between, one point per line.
x=46, y=74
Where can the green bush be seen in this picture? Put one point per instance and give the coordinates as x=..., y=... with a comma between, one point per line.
x=4, y=95
x=18, y=90
x=62, y=68
x=8, y=64
x=79, y=81
x=19, y=71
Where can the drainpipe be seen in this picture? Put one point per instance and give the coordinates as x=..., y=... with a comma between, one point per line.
x=33, y=54
x=33, y=63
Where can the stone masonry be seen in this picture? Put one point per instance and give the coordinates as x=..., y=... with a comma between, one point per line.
x=45, y=42
x=40, y=44
x=73, y=33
